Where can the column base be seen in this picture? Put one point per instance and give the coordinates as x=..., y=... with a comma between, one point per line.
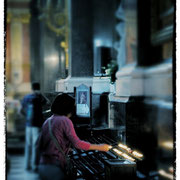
x=155, y=81
x=22, y=88
x=98, y=84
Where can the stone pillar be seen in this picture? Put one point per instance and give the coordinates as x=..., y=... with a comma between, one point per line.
x=81, y=52
x=16, y=53
x=127, y=50
x=45, y=44
x=80, y=46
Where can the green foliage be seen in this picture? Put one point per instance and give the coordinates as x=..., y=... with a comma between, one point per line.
x=111, y=70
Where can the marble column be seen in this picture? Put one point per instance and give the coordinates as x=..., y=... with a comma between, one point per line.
x=81, y=52
x=16, y=53
x=80, y=46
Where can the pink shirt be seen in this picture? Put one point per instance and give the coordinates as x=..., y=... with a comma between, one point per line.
x=63, y=130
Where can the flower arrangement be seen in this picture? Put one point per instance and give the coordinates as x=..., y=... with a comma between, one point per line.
x=111, y=70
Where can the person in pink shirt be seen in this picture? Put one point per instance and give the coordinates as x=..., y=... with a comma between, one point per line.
x=52, y=162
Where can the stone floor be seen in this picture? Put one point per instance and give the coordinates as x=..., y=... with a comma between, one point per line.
x=17, y=170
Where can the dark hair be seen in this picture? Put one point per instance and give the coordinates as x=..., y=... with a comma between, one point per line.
x=35, y=86
x=63, y=104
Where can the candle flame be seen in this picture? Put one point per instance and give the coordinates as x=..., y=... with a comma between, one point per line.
x=122, y=146
x=123, y=154
x=117, y=151
x=135, y=153
x=128, y=157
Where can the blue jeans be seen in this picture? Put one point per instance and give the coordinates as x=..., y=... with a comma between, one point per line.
x=32, y=134
x=50, y=172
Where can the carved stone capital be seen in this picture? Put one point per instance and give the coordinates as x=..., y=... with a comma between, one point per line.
x=23, y=18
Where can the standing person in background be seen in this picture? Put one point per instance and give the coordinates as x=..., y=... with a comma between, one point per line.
x=32, y=105
x=53, y=162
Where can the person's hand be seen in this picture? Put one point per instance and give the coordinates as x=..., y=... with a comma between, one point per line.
x=105, y=147
x=100, y=147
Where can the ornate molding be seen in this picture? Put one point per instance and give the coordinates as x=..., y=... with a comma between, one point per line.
x=99, y=85
x=55, y=20
x=59, y=23
x=155, y=81
x=23, y=18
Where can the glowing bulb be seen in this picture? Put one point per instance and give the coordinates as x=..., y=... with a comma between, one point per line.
x=167, y=144
x=165, y=174
x=135, y=153
x=123, y=154
x=117, y=151
x=128, y=157
x=122, y=146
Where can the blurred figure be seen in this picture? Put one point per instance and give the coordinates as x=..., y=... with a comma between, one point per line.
x=53, y=162
x=83, y=98
x=32, y=109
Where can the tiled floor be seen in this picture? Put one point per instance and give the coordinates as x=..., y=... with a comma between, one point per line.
x=17, y=170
